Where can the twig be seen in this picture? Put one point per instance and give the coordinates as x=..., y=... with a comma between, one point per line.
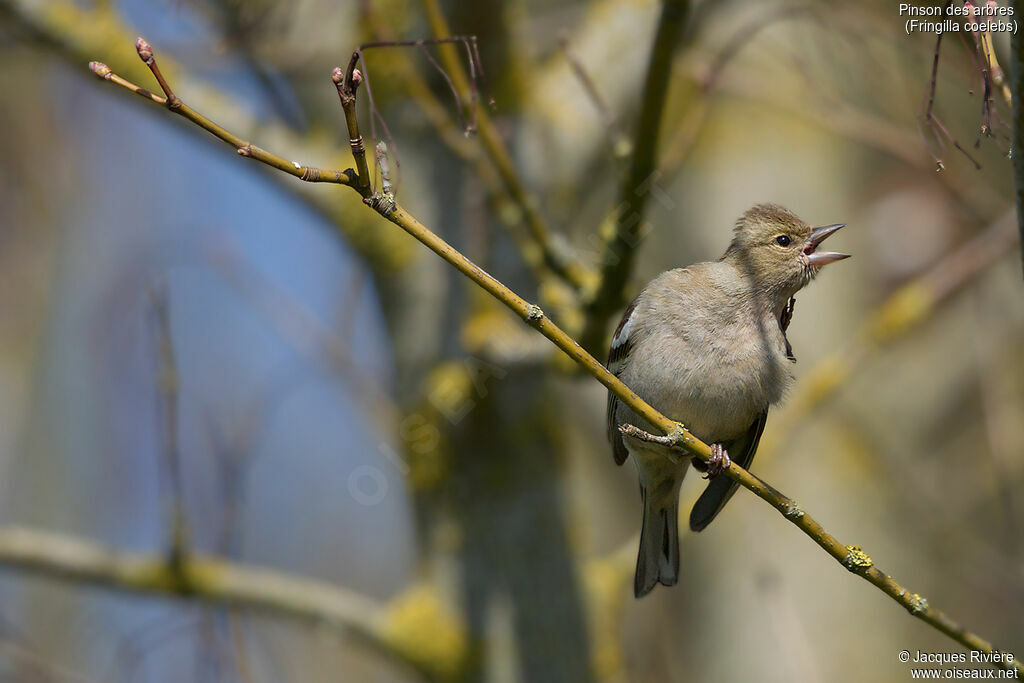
x=995, y=71
x=245, y=148
x=167, y=390
x=620, y=144
x=676, y=436
x=201, y=578
x=347, y=82
x=15, y=648
x=554, y=257
x=472, y=57
x=834, y=116
x=929, y=118
x=744, y=36
x=621, y=242
x=415, y=87
x=850, y=556
x=301, y=329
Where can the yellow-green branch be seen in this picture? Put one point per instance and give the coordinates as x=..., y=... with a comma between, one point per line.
x=196, y=577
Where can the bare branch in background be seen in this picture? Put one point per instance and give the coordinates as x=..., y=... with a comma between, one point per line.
x=620, y=144
x=551, y=245
x=939, y=132
x=168, y=382
x=244, y=148
x=200, y=578
x=626, y=232
x=993, y=80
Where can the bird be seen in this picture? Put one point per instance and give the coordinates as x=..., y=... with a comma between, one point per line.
x=706, y=346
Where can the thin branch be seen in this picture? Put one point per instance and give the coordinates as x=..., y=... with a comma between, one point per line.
x=347, y=82
x=628, y=226
x=938, y=129
x=244, y=148
x=830, y=114
x=744, y=37
x=201, y=578
x=300, y=328
x=167, y=389
x=995, y=71
x=472, y=57
x=415, y=87
x=554, y=257
x=676, y=436
x=618, y=140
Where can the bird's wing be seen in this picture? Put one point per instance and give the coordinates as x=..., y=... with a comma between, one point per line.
x=617, y=356
x=721, y=488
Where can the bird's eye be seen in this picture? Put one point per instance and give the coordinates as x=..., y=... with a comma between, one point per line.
x=783, y=240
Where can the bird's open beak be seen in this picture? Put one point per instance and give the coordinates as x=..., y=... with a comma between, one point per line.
x=818, y=235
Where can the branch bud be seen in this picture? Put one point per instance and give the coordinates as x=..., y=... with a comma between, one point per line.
x=144, y=49
x=101, y=70
x=357, y=78
x=338, y=75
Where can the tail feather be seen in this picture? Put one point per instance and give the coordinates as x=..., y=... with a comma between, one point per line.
x=711, y=502
x=658, y=558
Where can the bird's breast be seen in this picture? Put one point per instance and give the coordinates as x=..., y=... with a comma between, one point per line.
x=715, y=381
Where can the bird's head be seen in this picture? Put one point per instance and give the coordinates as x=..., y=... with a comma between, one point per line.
x=778, y=251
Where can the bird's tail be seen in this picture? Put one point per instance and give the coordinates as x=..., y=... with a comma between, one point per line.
x=658, y=559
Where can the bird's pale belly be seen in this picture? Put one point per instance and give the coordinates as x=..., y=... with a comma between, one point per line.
x=720, y=394
x=714, y=414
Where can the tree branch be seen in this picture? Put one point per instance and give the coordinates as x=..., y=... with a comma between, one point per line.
x=196, y=577
x=676, y=436
x=244, y=147
x=621, y=242
x=413, y=85
x=554, y=257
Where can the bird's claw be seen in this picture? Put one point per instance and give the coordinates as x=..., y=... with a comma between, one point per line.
x=718, y=462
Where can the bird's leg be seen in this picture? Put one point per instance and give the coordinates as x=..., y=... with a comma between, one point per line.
x=719, y=461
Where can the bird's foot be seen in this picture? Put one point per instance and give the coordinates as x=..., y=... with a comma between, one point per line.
x=719, y=461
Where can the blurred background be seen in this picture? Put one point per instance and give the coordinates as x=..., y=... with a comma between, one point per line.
x=187, y=334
